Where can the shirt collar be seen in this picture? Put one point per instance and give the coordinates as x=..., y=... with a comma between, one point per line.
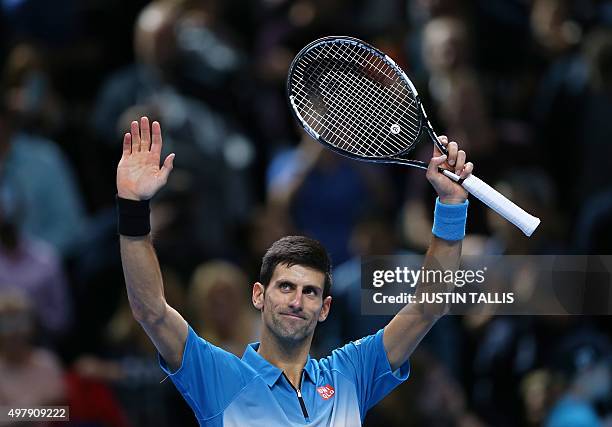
x=268, y=371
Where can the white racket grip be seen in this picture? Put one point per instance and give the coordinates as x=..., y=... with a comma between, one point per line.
x=499, y=203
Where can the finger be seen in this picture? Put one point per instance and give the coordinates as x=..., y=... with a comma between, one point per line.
x=127, y=144
x=435, y=163
x=453, y=148
x=436, y=149
x=135, y=136
x=167, y=166
x=156, y=145
x=145, y=134
x=460, y=161
x=432, y=168
x=467, y=170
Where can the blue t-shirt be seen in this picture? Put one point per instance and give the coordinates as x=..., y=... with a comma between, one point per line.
x=569, y=412
x=337, y=390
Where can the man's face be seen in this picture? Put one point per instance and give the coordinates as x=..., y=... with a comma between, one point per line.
x=292, y=303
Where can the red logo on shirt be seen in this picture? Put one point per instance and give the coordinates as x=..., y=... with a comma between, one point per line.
x=326, y=391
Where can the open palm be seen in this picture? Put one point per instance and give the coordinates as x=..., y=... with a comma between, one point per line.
x=139, y=176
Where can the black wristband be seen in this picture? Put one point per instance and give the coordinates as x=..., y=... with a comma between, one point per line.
x=133, y=217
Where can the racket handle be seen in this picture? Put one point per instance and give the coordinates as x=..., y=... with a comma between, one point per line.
x=499, y=203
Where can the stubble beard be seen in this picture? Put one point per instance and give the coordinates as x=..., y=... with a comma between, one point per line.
x=281, y=328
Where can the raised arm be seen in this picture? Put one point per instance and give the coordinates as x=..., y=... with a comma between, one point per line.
x=406, y=330
x=139, y=177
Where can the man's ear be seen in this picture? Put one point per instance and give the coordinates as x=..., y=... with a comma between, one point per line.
x=325, y=310
x=258, y=295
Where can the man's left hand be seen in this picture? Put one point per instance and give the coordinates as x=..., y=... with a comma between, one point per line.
x=449, y=192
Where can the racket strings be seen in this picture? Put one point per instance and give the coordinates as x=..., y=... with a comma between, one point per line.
x=360, y=101
x=312, y=88
x=393, y=83
x=367, y=66
x=353, y=98
x=369, y=75
x=334, y=83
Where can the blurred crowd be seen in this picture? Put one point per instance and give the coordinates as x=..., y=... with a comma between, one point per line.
x=525, y=86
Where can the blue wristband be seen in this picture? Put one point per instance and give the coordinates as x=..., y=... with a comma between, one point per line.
x=449, y=220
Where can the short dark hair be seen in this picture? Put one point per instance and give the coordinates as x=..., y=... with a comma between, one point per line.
x=297, y=250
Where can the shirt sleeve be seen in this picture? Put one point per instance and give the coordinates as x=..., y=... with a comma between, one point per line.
x=209, y=377
x=365, y=362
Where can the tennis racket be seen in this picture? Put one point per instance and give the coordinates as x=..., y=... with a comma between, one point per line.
x=356, y=101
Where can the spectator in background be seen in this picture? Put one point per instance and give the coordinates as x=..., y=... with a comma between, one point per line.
x=585, y=366
x=30, y=92
x=123, y=386
x=454, y=86
x=29, y=376
x=155, y=52
x=34, y=268
x=325, y=194
x=177, y=52
x=534, y=191
x=221, y=308
x=478, y=63
x=457, y=106
x=553, y=27
x=46, y=197
x=506, y=348
x=206, y=44
x=504, y=351
x=572, y=109
x=441, y=401
x=92, y=402
x=432, y=398
x=420, y=12
x=373, y=235
x=272, y=62
x=535, y=391
x=267, y=225
x=213, y=173
x=283, y=27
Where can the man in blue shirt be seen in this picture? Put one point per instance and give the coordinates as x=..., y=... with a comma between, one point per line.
x=275, y=383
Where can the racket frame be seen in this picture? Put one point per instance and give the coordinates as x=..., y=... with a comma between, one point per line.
x=488, y=195
x=424, y=123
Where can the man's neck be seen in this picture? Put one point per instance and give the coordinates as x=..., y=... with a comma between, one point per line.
x=290, y=357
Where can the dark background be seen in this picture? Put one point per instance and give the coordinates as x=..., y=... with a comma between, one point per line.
x=525, y=87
